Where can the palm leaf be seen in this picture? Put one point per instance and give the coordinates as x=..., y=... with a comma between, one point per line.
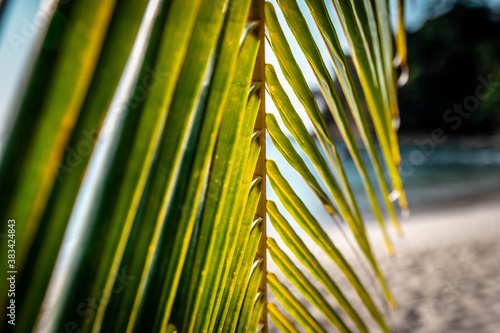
x=59, y=109
x=300, y=250
x=299, y=26
x=218, y=186
x=309, y=224
x=281, y=322
x=347, y=82
x=241, y=257
x=293, y=306
x=135, y=166
x=374, y=96
x=56, y=215
x=299, y=280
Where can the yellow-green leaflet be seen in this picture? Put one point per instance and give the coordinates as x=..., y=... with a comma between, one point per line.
x=293, y=306
x=300, y=250
x=280, y=320
x=286, y=149
x=348, y=85
x=304, y=218
x=300, y=281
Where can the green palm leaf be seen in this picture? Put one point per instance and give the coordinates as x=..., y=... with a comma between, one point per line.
x=135, y=166
x=281, y=322
x=59, y=108
x=293, y=306
x=300, y=250
x=294, y=275
x=309, y=224
x=295, y=19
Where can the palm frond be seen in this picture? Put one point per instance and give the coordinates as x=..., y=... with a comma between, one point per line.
x=368, y=37
x=293, y=306
x=281, y=322
x=136, y=169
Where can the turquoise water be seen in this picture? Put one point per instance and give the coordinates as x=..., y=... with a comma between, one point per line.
x=452, y=174
x=442, y=177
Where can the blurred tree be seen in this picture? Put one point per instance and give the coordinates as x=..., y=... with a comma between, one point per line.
x=447, y=57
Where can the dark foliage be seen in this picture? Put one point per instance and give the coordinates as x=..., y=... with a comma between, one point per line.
x=449, y=59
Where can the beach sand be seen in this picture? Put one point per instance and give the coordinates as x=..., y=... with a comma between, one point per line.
x=445, y=275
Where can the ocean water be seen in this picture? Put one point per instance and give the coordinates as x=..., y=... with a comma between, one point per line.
x=434, y=178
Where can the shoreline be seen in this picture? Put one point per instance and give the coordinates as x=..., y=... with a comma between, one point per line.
x=460, y=201
x=472, y=141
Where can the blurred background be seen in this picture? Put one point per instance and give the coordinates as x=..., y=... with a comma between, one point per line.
x=453, y=89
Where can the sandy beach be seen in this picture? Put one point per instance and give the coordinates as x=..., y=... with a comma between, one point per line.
x=445, y=275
